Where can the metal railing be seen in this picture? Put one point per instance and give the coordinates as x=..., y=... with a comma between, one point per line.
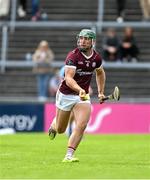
x=4, y=47
x=13, y=14
x=58, y=64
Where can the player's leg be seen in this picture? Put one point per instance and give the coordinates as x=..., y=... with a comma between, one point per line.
x=62, y=119
x=64, y=106
x=82, y=114
x=71, y=119
x=59, y=123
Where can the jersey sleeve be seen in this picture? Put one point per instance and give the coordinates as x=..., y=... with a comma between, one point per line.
x=71, y=59
x=99, y=61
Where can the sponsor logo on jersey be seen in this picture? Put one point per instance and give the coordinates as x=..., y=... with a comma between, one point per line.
x=94, y=64
x=70, y=62
x=80, y=62
x=83, y=73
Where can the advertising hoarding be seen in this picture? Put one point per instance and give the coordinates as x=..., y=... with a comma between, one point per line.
x=112, y=118
x=22, y=117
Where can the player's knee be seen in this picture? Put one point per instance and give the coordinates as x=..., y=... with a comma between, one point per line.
x=82, y=126
x=60, y=130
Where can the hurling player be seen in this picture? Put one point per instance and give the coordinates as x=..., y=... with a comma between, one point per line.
x=73, y=92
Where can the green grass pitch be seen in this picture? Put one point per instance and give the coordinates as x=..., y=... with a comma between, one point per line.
x=33, y=155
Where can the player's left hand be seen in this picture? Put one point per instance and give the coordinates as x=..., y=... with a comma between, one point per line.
x=101, y=97
x=82, y=94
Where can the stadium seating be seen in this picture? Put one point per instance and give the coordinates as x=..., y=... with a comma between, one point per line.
x=133, y=83
x=18, y=83
x=74, y=10
x=22, y=82
x=26, y=40
x=132, y=10
x=141, y=38
x=61, y=40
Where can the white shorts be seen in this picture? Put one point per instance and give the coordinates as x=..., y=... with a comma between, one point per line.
x=66, y=102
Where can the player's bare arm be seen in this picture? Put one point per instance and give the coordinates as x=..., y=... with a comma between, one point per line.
x=100, y=80
x=69, y=74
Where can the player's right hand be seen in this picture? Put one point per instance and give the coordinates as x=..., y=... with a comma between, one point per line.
x=100, y=97
x=82, y=94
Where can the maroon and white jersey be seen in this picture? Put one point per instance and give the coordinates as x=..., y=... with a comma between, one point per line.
x=84, y=69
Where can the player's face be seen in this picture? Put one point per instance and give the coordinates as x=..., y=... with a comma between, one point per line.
x=84, y=43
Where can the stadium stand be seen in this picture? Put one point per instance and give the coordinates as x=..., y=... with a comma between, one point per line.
x=141, y=38
x=132, y=82
x=132, y=10
x=18, y=83
x=25, y=40
x=67, y=10
x=21, y=82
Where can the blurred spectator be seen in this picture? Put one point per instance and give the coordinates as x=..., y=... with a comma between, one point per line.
x=28, y=56
x=35, y=10
x=62, y=72
x=145, y=5
x=54, y=84
x=44, y=16
x=120, y=10
x=22, y=8
x=110, y=45
x=4, y=8
x=43, y=58
x=128, y=48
